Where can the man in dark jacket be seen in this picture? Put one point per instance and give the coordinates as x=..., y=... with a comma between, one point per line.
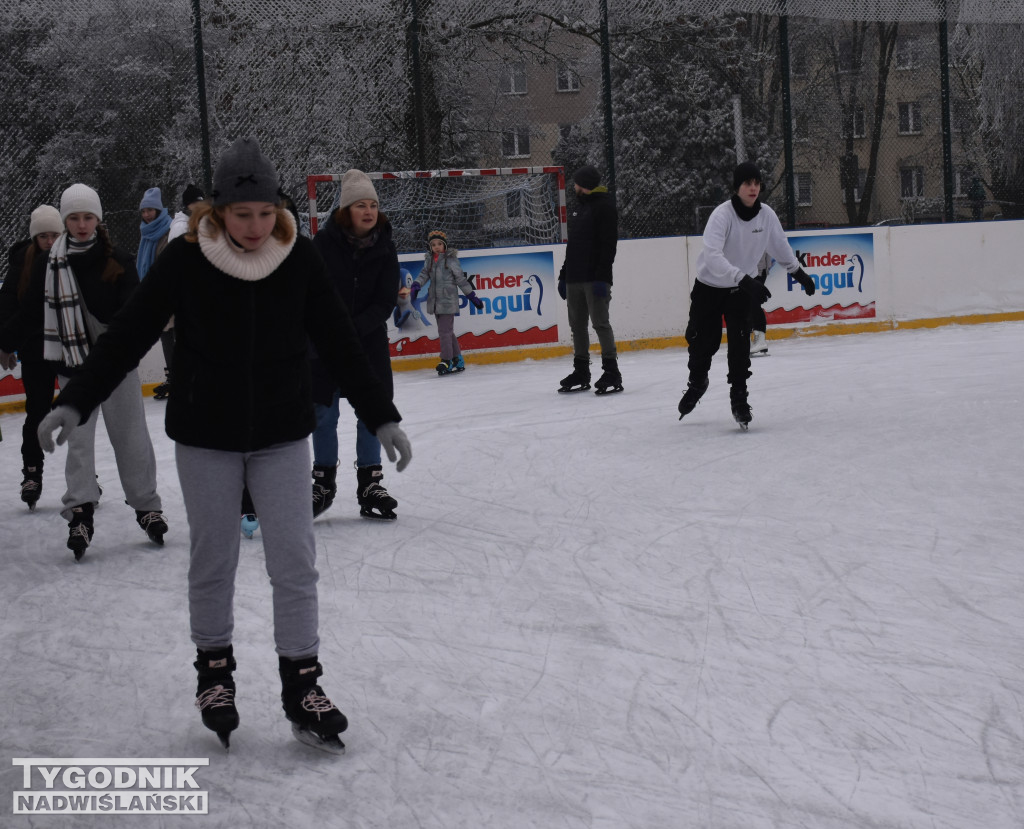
x=585, y=281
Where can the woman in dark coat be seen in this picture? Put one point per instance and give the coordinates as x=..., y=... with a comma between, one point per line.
x=362, y=262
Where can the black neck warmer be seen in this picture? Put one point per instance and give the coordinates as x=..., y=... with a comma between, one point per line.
x=744, y=212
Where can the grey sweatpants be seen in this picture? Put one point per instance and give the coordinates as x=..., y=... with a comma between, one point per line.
x=278, y=481
x=125, y=418
x=446, y=333
x=585, y=308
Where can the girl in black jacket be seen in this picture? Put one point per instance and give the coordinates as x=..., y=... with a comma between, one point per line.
x=247, y=294
x=362, y=263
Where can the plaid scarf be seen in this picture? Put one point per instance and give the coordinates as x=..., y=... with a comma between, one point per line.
x=65, y=337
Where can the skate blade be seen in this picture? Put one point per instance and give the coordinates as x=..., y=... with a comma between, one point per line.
x=329, y=743
x=609, y=390
x=388, y=515
x=743, y=426
x=573, y=389
x=225, y=739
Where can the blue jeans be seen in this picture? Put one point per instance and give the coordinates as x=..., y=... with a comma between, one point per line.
x=325, y=437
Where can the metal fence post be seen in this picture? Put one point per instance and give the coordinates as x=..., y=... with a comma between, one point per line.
x=606, y=79
x=204, y=124
x=787, y=118
x=947, y=138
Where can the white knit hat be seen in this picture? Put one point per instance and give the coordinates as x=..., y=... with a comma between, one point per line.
x=356, y=185
x=45, y=219
x=80, y=198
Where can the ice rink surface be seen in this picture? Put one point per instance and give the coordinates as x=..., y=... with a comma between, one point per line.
x=589, y=615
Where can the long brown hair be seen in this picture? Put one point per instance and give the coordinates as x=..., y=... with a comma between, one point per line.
x=26, y=267
x=113, y=269
x=284, y=230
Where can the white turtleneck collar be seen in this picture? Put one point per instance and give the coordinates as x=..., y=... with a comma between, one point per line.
x=248, y=265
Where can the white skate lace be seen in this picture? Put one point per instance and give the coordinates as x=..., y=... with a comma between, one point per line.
x=149, y=518
x=215, y=697
x=79, y=530
x=28, y=485
x=316, y=703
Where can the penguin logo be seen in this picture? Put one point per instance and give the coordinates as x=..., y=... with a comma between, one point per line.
x=860, y=264
x=533, y=281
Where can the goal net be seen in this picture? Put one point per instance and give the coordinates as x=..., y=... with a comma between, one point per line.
x=498, y=207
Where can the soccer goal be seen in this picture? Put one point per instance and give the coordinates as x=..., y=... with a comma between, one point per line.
x=499, y=207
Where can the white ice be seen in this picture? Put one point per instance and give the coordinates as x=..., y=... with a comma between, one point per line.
x=590, y=614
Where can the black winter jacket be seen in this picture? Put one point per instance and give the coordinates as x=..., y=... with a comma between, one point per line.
x=240, y=365
x=367, y=282
x=593, y=238
x=102, y=298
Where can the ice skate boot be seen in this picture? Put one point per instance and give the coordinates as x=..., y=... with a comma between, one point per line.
x=758, y=344
x=610, y=380
x=163, y=390
x=374, y=500
x=32, y=485
x=458, y=364
x=215, y=693
x=694, y=392
x=153, y=522
x=250, y=523
x=315, y=720
x=445, y=367
x=324, y=488
x=579, y=380
x=80, y=529
x=740, y=408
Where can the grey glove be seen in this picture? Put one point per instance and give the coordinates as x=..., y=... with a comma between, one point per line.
x=64, y=418
x=7, y=361
x=393, y=439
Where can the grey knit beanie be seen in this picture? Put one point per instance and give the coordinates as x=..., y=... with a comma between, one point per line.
x=245, y=174
x=356, y=185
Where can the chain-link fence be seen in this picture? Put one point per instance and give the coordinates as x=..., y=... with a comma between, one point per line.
x=880, y=110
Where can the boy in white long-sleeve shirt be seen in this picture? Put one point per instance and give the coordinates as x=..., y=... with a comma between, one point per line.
x=738, y=233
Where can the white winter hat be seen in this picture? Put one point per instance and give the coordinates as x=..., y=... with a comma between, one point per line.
x=45, y=219
x=356, y=185
x=80, y=198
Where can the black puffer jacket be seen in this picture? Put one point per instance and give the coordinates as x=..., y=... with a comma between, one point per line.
x=241, y=364
x=593, y=238
x=367, y=282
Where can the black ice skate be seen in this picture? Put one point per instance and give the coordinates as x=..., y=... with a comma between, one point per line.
x=315, y=720
x=445, y=367
x=694, y=392
x=610, y=380
x=324, y=488
x=215, y=693
x=32, y=485
x=740, y=408
x=579, y=380
x=163, y=390
x=80, y=529
x=374, y=500
x=153, y=522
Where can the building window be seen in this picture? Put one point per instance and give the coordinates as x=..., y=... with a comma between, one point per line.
x=911, y=182
x=513, y=79
x=515, y=142
x=908, y=52
x=859, y=123
x=802, y=187
x=567, y=79
x=910, y=117
x=514, y=204
x=801, y=126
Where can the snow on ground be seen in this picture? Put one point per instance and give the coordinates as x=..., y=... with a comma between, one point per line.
x=589, y=614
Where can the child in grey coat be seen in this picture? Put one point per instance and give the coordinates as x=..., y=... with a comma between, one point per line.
x=442, y=270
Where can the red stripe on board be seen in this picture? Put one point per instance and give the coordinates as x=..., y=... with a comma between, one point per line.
x=489, y=339
x=819, y=314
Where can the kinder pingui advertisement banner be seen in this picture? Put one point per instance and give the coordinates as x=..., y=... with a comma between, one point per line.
x=519, y=293
x=843, y=269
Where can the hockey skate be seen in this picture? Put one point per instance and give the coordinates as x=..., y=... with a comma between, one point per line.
x=315, y=720
x=153, y=523
x=610, y=380
x=758, y=344
x=250, y=523
x=579, y=380
x=324, y=488
x=32, y=485
x=694, y=392
x=215, y=693
x=458, y=364
x=740, y=407
x=445, y=367
x=80, y=529
x=374, y=500
x=163, y=390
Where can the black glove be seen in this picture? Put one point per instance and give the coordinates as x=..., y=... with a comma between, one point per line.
x=805, y=281
x=755, y=290
x=599, y=289
x=561, y=288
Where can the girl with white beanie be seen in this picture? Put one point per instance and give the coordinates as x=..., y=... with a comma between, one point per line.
x=37, y=376
x=247, y=294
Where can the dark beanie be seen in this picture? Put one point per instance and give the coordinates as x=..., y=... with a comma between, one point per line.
x=745, y=172
x=245, y=174
x=587, y=177
x=191, y=194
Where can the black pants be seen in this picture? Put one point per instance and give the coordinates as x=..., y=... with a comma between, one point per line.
x=758, y=320
x=39, y=378
x=704, y=331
